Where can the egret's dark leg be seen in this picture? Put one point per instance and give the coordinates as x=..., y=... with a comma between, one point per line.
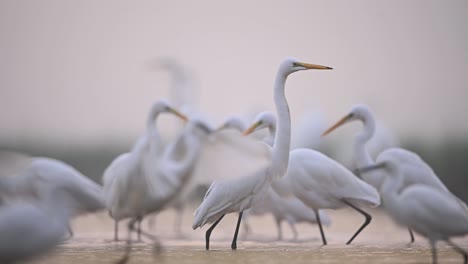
x=459, y=250
x=411, y=235
x=152, y=222
x=140, y=219
x=128, y=247
x=278, y=227
x=116, y=230
x=234, y=240
x=319, y=222
x=245, y=223
x=433, y=251
x=368, y=219
x=293, y=229
x=208, y=232
x=178, y=221
x=70, y=232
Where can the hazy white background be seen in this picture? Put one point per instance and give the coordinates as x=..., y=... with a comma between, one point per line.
x=77, y=71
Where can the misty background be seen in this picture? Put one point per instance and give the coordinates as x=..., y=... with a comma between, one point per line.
x=76, y=79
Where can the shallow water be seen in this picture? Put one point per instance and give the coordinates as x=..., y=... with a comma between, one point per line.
x=382, y=242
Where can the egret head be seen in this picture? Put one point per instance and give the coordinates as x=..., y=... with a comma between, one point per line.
x=233, y=122
x=263, y=120
x=291, y=65
x=162, y=106
x=358, y=112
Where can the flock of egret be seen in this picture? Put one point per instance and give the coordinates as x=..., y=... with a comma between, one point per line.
x=293, y=185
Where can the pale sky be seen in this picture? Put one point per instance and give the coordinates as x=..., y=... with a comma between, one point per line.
x=77, y=70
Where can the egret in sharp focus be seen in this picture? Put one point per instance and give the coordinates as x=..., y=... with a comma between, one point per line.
x=320, y=183
x=84, y=195
x=414, y=169
x=237, y=195
x=431, y=212
x=290, y=209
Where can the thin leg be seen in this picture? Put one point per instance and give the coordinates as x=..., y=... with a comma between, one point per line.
x=319, y=222
x=152, y=222
x=139, y=229
x=245, y=223
x=70, y=232
x=208, y=232
x=434, y=252
x=411, y=235
x=368, y=220
x=178, y=221
x=128, y=247
x=278, y=227
x=293, y=229
x=116, y=230
x=234, y=239
x=459, y=250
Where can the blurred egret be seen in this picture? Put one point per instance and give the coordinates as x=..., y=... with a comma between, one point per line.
x=237, y=195
x=233, y=122
x=145, y=179
x=31, y=228
x=431, y=212
x=84, y=195
x=414, y=169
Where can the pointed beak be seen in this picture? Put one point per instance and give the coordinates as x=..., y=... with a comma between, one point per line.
x=251, y=128
x=179, y=114
x=313, y=66
x=376, y=166
x=338, y=124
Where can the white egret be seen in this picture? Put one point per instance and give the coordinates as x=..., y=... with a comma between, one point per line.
x=144, y=179
x=431, y=212
x=237, y=195
x=85, y=196
x=290, y=209
x=414, y=169
x=35, y=227
x=233, y=122
x=189, y=142
x=320, y=183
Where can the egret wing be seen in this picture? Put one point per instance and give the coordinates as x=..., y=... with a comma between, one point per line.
x=229, y=155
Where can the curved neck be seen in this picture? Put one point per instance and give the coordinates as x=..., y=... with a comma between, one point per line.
x=280, y=156
x=390, y=188
x=363, y=157
x=152, y=133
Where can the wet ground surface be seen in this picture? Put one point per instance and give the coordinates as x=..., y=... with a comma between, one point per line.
x=382, y=242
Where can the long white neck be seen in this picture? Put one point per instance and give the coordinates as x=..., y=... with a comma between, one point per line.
x=363, y=157
x=280, y=156
x=152, y=133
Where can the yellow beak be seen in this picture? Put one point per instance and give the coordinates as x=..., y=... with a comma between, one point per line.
x=251, y=128
x=179, y=114
x=338, y=124
x=313, y=66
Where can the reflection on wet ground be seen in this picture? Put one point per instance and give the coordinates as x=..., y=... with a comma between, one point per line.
x=383, y=242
